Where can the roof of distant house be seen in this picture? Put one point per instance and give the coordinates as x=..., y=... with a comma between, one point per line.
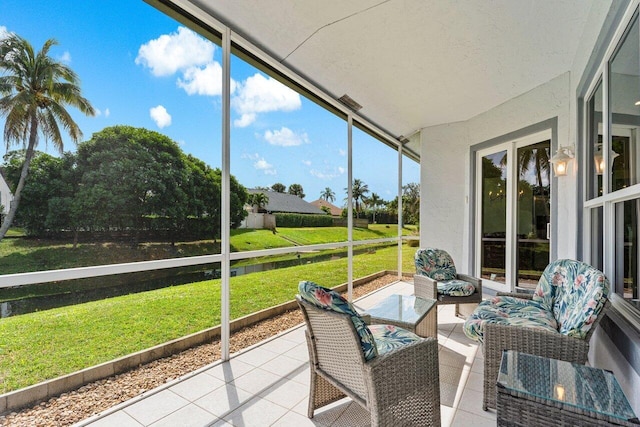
x=334, y=210
x=284, y=202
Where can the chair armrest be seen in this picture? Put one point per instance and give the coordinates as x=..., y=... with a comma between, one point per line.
x=474, y=280
x=515, y=295
x=425, y=287
x=366, y=317
x=409, y=378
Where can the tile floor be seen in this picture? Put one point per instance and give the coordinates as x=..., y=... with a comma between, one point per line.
x=268, y=385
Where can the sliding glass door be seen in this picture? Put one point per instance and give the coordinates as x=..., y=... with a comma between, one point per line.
x=514, y=212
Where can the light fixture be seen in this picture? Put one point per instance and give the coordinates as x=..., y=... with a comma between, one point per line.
x=561, y=160
x=598, y=159
x=559, y=391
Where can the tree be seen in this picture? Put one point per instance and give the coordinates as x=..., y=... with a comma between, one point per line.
x=296, y=190
x=411, y=203
x=259, y=200
x=374, y=201
x=328, y=195
x=35, y=90
x=278, y=187
x=359, y=191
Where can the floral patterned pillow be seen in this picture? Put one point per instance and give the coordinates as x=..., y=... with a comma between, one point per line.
x=435, y=264
x=330, y=300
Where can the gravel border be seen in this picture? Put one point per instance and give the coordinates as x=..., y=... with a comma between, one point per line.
x=93, y=398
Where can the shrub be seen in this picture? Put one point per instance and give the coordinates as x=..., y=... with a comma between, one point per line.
x=302, y=220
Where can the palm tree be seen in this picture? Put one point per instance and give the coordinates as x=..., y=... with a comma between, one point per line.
x=374, y=201
x=35, y=89
x=328, y=195
x=359, y=191
x=259, y=199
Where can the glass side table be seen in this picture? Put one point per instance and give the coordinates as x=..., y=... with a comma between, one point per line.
x=534, y=390
x=415, y=314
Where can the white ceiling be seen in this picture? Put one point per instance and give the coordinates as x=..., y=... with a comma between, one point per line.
x=415, y=63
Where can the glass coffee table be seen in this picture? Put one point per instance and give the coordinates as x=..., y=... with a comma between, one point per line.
x=417, y=315
x=534, y=390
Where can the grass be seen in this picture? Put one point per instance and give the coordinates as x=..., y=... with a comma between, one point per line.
x=43, y=345
x=27, y=255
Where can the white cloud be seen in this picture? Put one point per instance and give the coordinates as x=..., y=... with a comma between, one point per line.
x=285, y=137
x=259, y=94
x=107, y=112
x=306, y=162
x=160, y=116
x=97, y=112
x=342, y=152
x=65, y=57
x=264, y=166
x=3, y=32
x=327, y=175
x=173, y=52
x=204, y=81
x=254, y=156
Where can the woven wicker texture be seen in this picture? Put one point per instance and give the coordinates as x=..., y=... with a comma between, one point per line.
x=400, y=388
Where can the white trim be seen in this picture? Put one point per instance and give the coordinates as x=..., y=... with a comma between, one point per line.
x=400, y=209
x=350, y=207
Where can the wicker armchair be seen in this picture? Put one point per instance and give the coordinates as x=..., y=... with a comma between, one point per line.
x=398, y=387
x=556, y=321
x=436, y=278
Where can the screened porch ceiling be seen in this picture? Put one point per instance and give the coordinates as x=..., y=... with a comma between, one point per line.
x=414, y=63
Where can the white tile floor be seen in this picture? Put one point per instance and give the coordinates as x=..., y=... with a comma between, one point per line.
x=268, y=385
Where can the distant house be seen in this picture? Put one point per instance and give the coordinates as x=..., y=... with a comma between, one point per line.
x=278, y=203
x=5, y=195
x=284, y=202
x=333, y=210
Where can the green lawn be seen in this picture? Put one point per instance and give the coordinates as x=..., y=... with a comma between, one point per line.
x=27, y=255
x=42, y=345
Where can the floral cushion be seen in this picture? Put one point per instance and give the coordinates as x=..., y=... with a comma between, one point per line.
x=576, y=292
x=331, y=300
x=389, y=337
x=456, y=288
x=507, y=310
x=435, y=264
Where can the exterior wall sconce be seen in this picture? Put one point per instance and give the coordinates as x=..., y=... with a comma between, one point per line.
x=598, y=159
x=561, y=160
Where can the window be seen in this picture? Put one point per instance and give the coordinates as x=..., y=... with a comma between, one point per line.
x=612, y=166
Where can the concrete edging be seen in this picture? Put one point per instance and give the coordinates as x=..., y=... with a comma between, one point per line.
x=27, y=396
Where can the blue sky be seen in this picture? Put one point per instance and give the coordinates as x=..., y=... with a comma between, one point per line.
x=141, y=68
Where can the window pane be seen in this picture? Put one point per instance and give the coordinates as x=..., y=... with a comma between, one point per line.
x=625, y=112
x=594, y=138
x=534, y=212
x=143, y=182
x=289, y=154
x=375, y=187
x=494, y=215
x=597, y=254
x=626, y=254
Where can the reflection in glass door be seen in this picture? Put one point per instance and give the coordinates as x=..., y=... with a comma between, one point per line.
x=493, y=203
x=533, y=210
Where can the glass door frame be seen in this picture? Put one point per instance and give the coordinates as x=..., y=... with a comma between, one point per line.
x=511, y=146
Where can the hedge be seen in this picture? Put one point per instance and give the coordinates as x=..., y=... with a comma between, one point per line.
x=302, y=220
